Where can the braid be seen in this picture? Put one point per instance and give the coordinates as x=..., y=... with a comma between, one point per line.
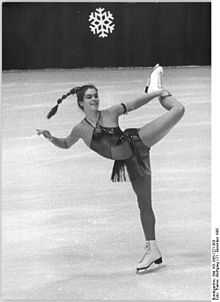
x=59, y=101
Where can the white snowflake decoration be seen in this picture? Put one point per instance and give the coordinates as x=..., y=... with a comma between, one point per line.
x=101, y=22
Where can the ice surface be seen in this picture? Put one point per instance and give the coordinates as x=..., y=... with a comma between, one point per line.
x=67, y=231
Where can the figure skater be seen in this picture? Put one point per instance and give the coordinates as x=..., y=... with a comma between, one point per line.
x=130, y=149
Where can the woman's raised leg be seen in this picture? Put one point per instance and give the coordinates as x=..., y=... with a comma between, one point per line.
x=155, y=130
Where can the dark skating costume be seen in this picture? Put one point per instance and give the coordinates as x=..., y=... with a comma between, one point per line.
x=128, y=150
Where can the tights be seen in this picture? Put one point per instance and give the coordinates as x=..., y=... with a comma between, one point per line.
x=142, y=189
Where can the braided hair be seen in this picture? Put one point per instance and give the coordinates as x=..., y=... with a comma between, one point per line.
x=79, y=91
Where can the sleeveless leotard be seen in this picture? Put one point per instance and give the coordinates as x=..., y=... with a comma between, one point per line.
x=126, y=148
x=110, y=142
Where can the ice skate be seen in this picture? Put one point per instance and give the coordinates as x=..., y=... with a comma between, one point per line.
x=155, y=79
x=151, y=256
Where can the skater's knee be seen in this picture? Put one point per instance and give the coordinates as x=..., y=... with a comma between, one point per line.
x=145, y=207
x=180, y=110
x=171, y=103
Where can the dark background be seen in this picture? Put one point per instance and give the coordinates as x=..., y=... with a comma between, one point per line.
x=57, y=35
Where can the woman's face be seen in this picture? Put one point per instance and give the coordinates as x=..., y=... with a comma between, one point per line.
x=91, y=100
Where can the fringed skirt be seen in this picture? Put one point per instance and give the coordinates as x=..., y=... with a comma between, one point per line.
x=138, y=165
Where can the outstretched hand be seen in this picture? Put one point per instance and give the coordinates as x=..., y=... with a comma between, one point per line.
x=45, y=133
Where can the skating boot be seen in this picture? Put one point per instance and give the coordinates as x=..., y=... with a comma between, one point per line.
x=155, y=79
x=151, y=256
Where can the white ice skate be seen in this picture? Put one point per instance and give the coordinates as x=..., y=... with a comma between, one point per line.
x=151, y=256
x=155, y=79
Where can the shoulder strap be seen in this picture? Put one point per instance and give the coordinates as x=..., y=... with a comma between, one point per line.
x=88, y=122
x=97, y=122
x=99, y=118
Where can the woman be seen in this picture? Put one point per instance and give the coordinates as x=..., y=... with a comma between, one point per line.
x=101, y=133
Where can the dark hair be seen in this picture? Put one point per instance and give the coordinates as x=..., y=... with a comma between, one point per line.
x=79, y=91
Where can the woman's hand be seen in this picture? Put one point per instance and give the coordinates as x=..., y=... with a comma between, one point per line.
x=164, y=93
x=45, y=133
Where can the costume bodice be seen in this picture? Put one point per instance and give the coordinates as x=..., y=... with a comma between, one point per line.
x=109, y=142
x=125, y=147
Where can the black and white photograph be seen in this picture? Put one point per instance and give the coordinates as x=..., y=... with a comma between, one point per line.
x=106, y=152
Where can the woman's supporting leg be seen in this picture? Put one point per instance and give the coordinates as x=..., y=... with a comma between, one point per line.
x=142, y=188
x=152, y=254
x=155, y=130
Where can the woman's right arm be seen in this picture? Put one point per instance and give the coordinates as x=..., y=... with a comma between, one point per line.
x=125, y=107
x=64, y=143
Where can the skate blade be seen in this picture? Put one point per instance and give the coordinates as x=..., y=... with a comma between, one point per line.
x=153, y=265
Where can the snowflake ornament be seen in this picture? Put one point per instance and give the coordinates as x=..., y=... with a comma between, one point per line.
x=101, y=22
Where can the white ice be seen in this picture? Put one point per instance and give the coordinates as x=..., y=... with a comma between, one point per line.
x=67, y=231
